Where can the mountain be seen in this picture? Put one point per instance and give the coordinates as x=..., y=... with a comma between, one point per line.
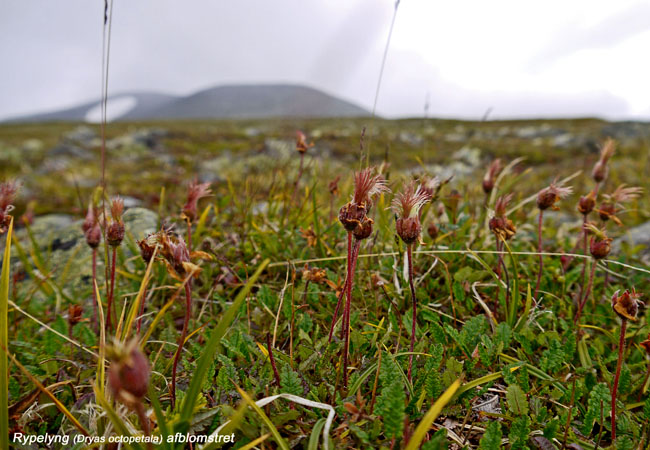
x=221, y=102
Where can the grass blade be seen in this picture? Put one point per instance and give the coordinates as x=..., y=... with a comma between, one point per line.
x=4, y=341
x=431, y=415
x=274, y=431
x=135, y=306
x=315, y=432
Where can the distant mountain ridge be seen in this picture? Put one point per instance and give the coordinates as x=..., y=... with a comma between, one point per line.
x=220, y=102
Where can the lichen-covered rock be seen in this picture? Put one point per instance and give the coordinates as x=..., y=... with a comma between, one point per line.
x=67, y=259
x=637, y=236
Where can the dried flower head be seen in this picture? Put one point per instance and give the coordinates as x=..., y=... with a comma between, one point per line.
x=75, y=315
x=115, y=231
x=548, y=197
x=500, y=225
x=128, y=375
x=600, y=245
x=600, y=171
x=309, y=235
x=587, y=203
x=333, y=185
x=195, y=192
x=175, y=254
x=314, y=274
x=94, y=236
x=606, y=211
x=627, y=304
x=301, y=142
x=7, y=195
x=148, y=246
x=90, y=219
x=353, y=214
x=406, y=205
x=491, y=175
x=364, y=229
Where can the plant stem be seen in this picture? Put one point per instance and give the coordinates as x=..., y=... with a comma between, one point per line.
x=346, y=312
x=621, y=350
x=300, y=170
x=539, y=250
x=273, y=366
x=95, y=324
x=111, y=305
x=189, y=236
x=188, y=310
x=409, y=255
x=144, y=420
x=587, y=292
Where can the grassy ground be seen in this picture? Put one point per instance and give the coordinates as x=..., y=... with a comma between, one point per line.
x=529, y=377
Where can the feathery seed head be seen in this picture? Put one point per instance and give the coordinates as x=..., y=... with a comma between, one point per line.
x=406, y=205
x=367, y=186
x=195, y=192
x=600, y=170
x=624, y=194
x=490, y=176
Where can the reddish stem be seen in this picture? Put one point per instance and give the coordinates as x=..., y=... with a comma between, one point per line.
x=621, y=350
x=539, y=250
x=95, y=323
x=186, y=321
x=409, y=254
x=587, y=292
x=275, y=369
x=111, y=305
x=189, y=236
x=346, y=312
x=352, y=256
x=300, y=170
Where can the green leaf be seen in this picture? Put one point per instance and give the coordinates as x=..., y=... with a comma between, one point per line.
x=491, y=439
x=517, y=401
x=290, y=381
x=519, y=431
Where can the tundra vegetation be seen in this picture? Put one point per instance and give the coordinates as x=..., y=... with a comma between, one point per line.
x=466, y=289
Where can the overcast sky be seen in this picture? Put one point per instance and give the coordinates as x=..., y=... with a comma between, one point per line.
x=520, y=58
